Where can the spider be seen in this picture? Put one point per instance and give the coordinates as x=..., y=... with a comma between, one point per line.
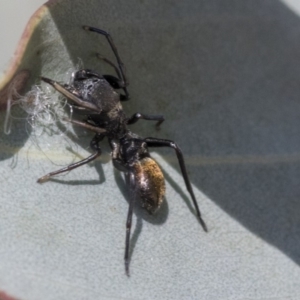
x=95, y=95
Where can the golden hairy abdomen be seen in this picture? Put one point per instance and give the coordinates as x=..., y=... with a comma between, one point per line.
x=150, y=184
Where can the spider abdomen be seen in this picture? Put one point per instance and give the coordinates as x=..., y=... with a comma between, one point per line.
x=150, y=184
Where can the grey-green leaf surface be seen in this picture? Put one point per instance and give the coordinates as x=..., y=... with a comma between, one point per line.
x=226, y=77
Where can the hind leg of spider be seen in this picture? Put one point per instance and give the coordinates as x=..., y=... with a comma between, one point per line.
x=137, y=116
x=154, y=142
x=129, y=222
x=94, y=145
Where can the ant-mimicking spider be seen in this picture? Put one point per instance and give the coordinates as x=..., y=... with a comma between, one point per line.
x=95, y=95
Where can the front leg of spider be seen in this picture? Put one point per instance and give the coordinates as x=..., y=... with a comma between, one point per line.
x=71, y=95
x=120, y=69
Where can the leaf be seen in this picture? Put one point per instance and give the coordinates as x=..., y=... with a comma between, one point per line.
x=226, y=77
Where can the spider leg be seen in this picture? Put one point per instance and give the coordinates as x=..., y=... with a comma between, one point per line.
x=137, y=116
x=86, y=125
x=68, y=94
x=154, y=142
x=116, y=83
x=115, y=51
x=119, y=164
x=108, y=61
x=94, y=145
x=129, y=221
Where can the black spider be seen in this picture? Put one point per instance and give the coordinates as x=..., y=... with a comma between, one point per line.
x=95, y=95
